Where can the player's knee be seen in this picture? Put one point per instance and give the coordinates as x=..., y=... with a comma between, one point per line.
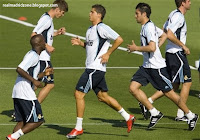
x=50, y=86
x=79, y=95
x=132, y=90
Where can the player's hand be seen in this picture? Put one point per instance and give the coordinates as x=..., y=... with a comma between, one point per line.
x=38, y=84
x=186, y=50
x=132, y=47
x=104, y=58
x=61, y=31
x=49, y=48
x=48, y=71
x=76, y=41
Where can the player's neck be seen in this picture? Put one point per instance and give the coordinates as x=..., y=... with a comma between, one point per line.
x=96, y=22
x=183, y=10
x=51, y=13
x=144, y=21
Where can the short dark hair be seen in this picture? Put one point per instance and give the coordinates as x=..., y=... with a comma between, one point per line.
x=100, y=9
x=144, y=7
x=179, y=2
x=61, y=4
x=36, y=40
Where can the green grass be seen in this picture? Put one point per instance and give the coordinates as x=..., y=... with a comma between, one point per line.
x=101, y=122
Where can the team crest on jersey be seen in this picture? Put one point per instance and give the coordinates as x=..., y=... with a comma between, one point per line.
x=51, y=38
x=89, y=43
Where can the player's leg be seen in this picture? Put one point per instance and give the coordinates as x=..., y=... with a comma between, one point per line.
x=80, y=103
x=193, y=118
x=142, y=98
x=158, y=94
x=30, y=127
x=18, y=126
x=82, y=87
x=113, y=103
x=110, y=101
x=48, y=80
x=29, y=115
x=44, y=92
x=139, y=94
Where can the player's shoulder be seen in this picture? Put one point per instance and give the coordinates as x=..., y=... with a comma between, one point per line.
x=176, y=14
x=102, y=25
x=149, y=25
x=46, y=17
x=32, y=54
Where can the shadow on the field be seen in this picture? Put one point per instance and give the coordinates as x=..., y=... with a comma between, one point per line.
x=194, y=93
x=118, y=123
x=61, y=130
x=85, y=132
x=8, y=113
x=137, y=111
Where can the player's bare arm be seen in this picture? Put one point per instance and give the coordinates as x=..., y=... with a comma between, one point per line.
x=28, y=77
x=77, y=41
x=162, y=39
x=173, y=38
x=48, y=71
x=60, y=31
x=105, y=57
x=149, y=48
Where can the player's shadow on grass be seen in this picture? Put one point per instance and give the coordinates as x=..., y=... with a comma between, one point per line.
x=61, y=130
x=194, y=93
x=118, y=123
x=9, y=114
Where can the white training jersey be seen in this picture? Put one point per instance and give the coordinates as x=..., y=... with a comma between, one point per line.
x=159, y=31
x=176, y=23
x=149, y=33
x=23, y=88
x=97, y=43
x=46, y=28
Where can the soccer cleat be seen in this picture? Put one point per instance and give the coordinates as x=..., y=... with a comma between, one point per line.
x=144, y=111
x=192, y=123
x=10, y=138
x=184, y=119
x=74, y=133
x=130, y=123
x=154, y=120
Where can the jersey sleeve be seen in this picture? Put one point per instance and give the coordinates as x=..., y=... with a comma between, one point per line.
x=151, y=33
x=43, y=24
x=175, y=22
x=30, y=60
x=106, y=32
x=159, y=31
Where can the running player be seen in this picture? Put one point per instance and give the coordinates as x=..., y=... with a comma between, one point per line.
x=27, y=108
x=98, y=38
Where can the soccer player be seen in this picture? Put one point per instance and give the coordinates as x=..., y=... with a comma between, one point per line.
x=27, y=108
x=153, y=69
x=98, y=38
x=46, y=28
x=176, y=51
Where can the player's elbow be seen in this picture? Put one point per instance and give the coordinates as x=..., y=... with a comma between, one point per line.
x=153, y=48
x=120, y=39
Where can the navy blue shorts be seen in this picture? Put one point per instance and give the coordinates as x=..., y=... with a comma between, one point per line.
x=178, y=67
x=28, y=111
x=159, y=78
x=46, y=79
x=92, y=79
